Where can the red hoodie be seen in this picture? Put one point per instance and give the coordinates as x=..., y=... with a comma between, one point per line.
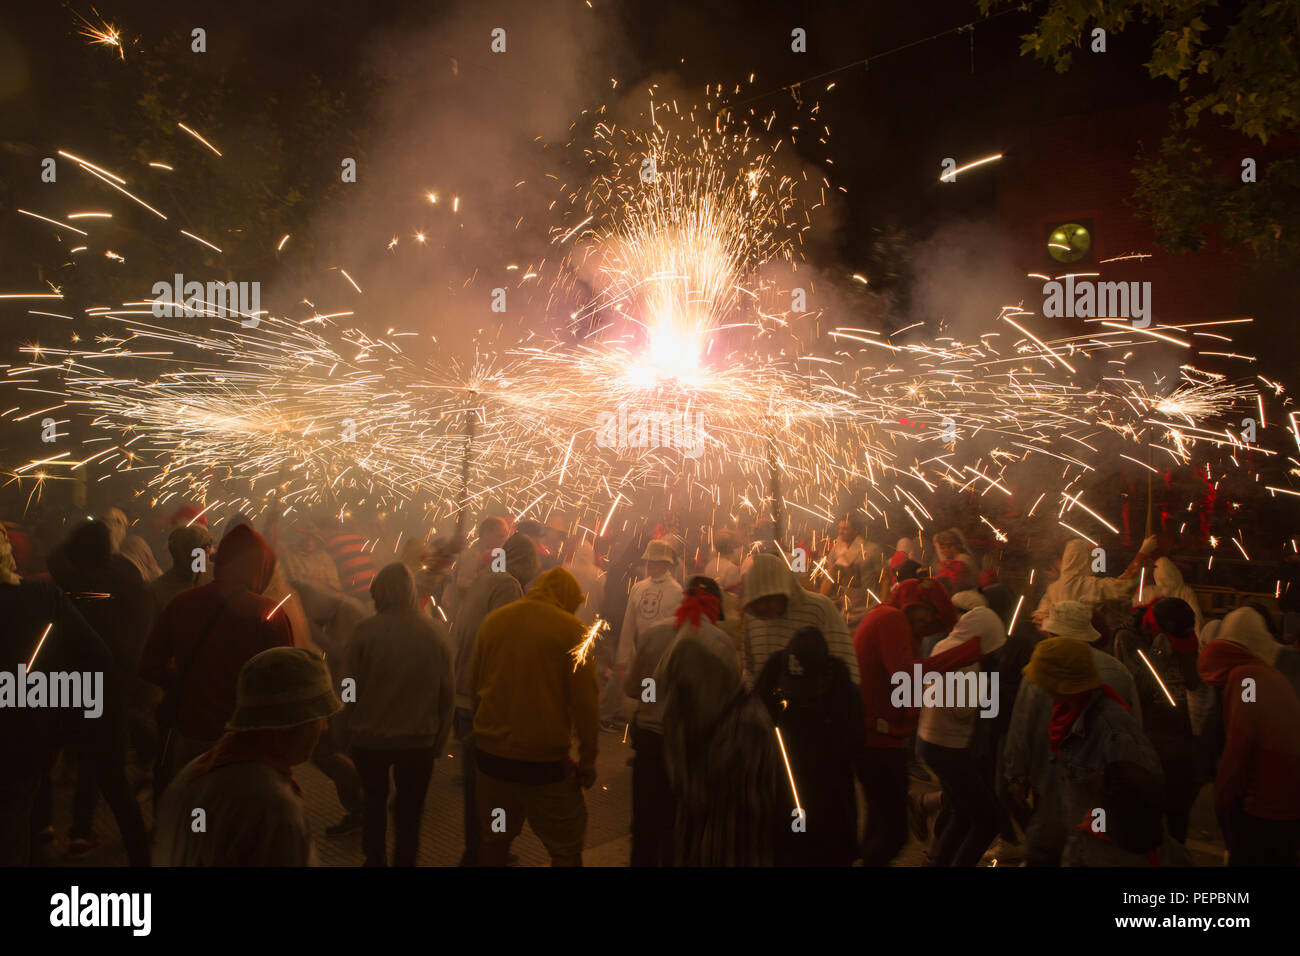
x=1260, y=766
x=232, y=604
x=885, y=646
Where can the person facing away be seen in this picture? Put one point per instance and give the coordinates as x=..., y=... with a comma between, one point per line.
x=205, y=635
x=1257, y=787
x=1159, y=648
x=653, y=808
x=722, y=762
x=401, y=717
x=1108, y=775
x=43, y=627
x=533, y=688
x=252, y=808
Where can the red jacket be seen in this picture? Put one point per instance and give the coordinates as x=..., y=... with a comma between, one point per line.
x=238, y=614
x=885, y=647
x=1260, y=766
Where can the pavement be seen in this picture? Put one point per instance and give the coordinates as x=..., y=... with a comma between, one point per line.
x=609, y=815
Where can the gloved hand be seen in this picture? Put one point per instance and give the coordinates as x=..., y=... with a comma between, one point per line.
x=1149, y=545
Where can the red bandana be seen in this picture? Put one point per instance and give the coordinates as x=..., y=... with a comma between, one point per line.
x=694, y=605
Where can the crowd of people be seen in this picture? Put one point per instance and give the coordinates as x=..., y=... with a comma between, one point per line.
x=765, y=686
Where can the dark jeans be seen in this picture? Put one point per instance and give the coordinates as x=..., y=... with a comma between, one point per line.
x=882, y=771
x=342, y=771
x=18, y=792
x=412, y=769
x=972, y=821
x=101, y=768
x=1253, y=841
x=653, y=807
x=463, y=728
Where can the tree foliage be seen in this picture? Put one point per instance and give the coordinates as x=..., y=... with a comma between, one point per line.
x=1240, y=66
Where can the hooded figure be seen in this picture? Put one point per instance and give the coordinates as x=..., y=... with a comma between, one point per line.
x=653, y=804
x=775, y=607
x=1246, y=628
x=944, y=741
x=1257, y=789
x=206, y=634
x=1169, y=583
x=723, y=765
x=1159, y=649
x=1078, y=583
x=809, y=696
x=528, y=690
x=534, y=685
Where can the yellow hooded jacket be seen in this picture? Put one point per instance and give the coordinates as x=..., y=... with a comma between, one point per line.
x=528, y=696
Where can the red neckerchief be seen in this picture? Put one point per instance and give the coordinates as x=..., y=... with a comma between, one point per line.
x=694, y=605
x=241, y=747
x=1066, y=712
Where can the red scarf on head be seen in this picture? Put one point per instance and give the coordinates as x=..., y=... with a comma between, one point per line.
x=1067, y=710
x=1182, y=643
x=694, y=605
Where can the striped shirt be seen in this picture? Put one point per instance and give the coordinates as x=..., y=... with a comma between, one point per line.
x=763, y=638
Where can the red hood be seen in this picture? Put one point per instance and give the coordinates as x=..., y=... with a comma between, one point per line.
x=244, y=560
x=930, y=592
x=1220, y=658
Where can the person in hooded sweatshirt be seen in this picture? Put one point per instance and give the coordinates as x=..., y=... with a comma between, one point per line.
x=722, y=760
x=502, y=583
x=202, y=639
x=945, y=733
x=776, y=607
x=401, y=717
x=1257, y=788
x=109, y=593
x=1027, y=755
x=653, y=810
x=1077, y=582
x=534, y=685
x=1162, y=638
x=819, y=712
x=44, y=628
x=887, y=644
x=1167, y=582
